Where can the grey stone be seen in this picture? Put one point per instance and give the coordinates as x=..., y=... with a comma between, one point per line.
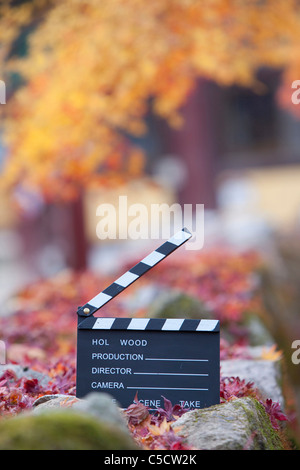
x=26, y=372
x=98, y=405
x=46, y=398
x=265, y=374
x=53, y=402
x=103, y=407
x=238, y=424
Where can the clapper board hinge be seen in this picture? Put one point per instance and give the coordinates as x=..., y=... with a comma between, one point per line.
x=134, y=273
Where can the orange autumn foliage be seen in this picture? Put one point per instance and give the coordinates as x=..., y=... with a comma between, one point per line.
x=94, y=69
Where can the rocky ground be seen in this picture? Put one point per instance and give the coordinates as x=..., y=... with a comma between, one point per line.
x=38, y=407
x=250, y=416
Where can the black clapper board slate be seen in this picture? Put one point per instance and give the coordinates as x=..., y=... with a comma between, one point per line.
x=154, y=358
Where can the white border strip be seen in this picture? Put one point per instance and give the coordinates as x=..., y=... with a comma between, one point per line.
x=103, y=323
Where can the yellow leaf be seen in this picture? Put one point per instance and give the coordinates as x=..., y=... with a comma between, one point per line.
x=271, y=354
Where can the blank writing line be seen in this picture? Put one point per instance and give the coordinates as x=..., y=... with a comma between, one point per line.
x=169, y=373
x=165, y=388
x=167, y=359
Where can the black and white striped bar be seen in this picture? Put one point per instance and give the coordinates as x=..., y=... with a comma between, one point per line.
x=147, y=324
x=135, y=273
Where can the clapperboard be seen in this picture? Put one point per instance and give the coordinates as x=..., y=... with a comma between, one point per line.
x=148, y=358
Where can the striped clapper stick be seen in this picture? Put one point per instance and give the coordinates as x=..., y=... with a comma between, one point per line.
x=150, y=358
x=135, y=273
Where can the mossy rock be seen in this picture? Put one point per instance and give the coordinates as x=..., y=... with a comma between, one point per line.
x=178, y=305
x=62, y=430
x=238, y=424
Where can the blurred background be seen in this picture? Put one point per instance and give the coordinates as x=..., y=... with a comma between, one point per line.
x=177, y=101
x=235, y=148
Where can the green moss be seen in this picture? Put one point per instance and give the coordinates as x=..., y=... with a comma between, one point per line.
x=267, y=438
x=61, y=431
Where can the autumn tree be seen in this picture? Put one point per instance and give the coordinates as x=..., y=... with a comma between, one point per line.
x=94, y=69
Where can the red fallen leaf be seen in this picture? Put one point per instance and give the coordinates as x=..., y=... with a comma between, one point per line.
x=234, y=387
x=137, y=412
x=274, y=411
x=14, y=397
x=173, y=441
x=169, y=411
x=164, y=437
x=31, y=386
x=9, y=376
